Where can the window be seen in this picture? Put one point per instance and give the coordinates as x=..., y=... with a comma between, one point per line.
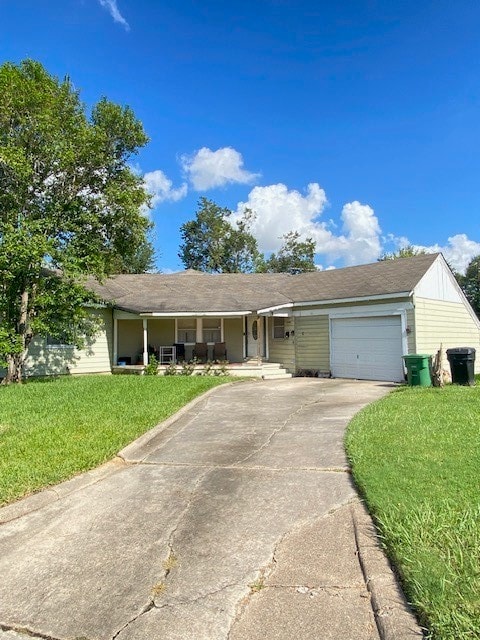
x=187, y=330
x=278, y=327
x=212, y=330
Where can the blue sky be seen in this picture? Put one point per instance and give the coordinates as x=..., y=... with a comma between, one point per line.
x=354, y=122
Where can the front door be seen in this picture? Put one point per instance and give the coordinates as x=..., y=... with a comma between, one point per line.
x=254, y=337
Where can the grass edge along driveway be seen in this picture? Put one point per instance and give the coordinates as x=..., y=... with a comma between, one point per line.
x=53, y=429
x=415, y=456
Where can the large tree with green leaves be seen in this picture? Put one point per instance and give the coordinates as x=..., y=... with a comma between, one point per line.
x=470, y=283
x=212, y=243
x=70, y=206
x=405, y=252
x=294, y=256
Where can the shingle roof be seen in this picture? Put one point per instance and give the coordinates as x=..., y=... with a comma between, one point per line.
x=196, y=292
x=380, y=278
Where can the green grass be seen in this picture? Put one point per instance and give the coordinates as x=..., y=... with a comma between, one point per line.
x=416, y=459
x=51, y=430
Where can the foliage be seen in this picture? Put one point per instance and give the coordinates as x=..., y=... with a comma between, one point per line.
x=211, y=243
x=294, y=256
x=151, y=369
x=406, y=252
x=470, y=283
x=415, y=457
x=140, y=260
x=53, y=429
x=69, y=205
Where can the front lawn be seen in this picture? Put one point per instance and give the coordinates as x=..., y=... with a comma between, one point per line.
x=50, y=430
x=416, y=458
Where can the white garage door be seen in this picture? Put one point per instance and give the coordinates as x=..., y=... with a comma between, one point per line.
x=367, y=348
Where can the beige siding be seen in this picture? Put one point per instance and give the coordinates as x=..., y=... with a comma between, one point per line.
x=96, y=357
x=312, y=348
x=446, y=323
x=411, y=333
x=160, y=332
x=130, y=339
x=282, y=350
x=233, y=334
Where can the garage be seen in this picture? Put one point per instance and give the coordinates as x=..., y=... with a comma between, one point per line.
x=367, y=348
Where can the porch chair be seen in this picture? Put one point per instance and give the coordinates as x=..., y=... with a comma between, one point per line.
x=200, y=351
x=180, y=351
x=220, y=351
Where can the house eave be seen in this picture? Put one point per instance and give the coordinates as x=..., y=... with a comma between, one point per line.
x=382, y=296
x=194, y=314
x=278, y=307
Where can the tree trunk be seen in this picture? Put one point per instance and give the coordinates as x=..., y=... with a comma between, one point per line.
x=15, y=361
x=14, y=368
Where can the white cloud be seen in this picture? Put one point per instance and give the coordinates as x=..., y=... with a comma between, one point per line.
x=207, y=169
x=362, y=240
x=113, y=10
x=161, y=188
x=280, y=210
x=458, y=252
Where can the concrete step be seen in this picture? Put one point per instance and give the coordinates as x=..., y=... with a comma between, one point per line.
x=276, y=376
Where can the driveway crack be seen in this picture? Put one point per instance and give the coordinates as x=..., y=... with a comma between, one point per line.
x=170, y=561
x=28, y=633
x=275, y=432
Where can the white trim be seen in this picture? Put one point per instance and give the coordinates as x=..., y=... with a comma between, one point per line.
x=267, y=338
x=222, y=333
x=287, y=305
x=377, y=310
x=196, y=314
x=244, y=341
x=145, y=341
x=115, y=340
x=403, y=324
x=383, y=296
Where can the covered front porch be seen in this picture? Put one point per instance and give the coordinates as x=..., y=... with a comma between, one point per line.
x=231, y=339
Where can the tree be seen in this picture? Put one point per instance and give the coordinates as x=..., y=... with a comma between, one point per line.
x=470, y=283
x=213, y=244
x=406, y=252
x=295, y=256
x=70, y=206
x=142, y=261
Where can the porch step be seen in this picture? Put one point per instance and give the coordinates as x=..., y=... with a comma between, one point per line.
x=265, y=370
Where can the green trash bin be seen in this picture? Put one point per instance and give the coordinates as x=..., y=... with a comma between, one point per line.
x=418, y=369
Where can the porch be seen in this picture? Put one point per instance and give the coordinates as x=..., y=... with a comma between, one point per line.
x=177, y=338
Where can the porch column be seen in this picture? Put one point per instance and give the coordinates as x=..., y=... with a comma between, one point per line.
x=259, y=338
x=199, y=332
x=267, y=338
x=115, y=340
x=245, y=336
x=145, y=341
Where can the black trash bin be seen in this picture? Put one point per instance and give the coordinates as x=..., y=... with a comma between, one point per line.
x=462, y=365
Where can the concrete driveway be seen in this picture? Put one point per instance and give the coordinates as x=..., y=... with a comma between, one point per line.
x=236, y=520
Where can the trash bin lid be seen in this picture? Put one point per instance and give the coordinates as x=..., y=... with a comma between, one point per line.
x=464, y=351
x=414, y=356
